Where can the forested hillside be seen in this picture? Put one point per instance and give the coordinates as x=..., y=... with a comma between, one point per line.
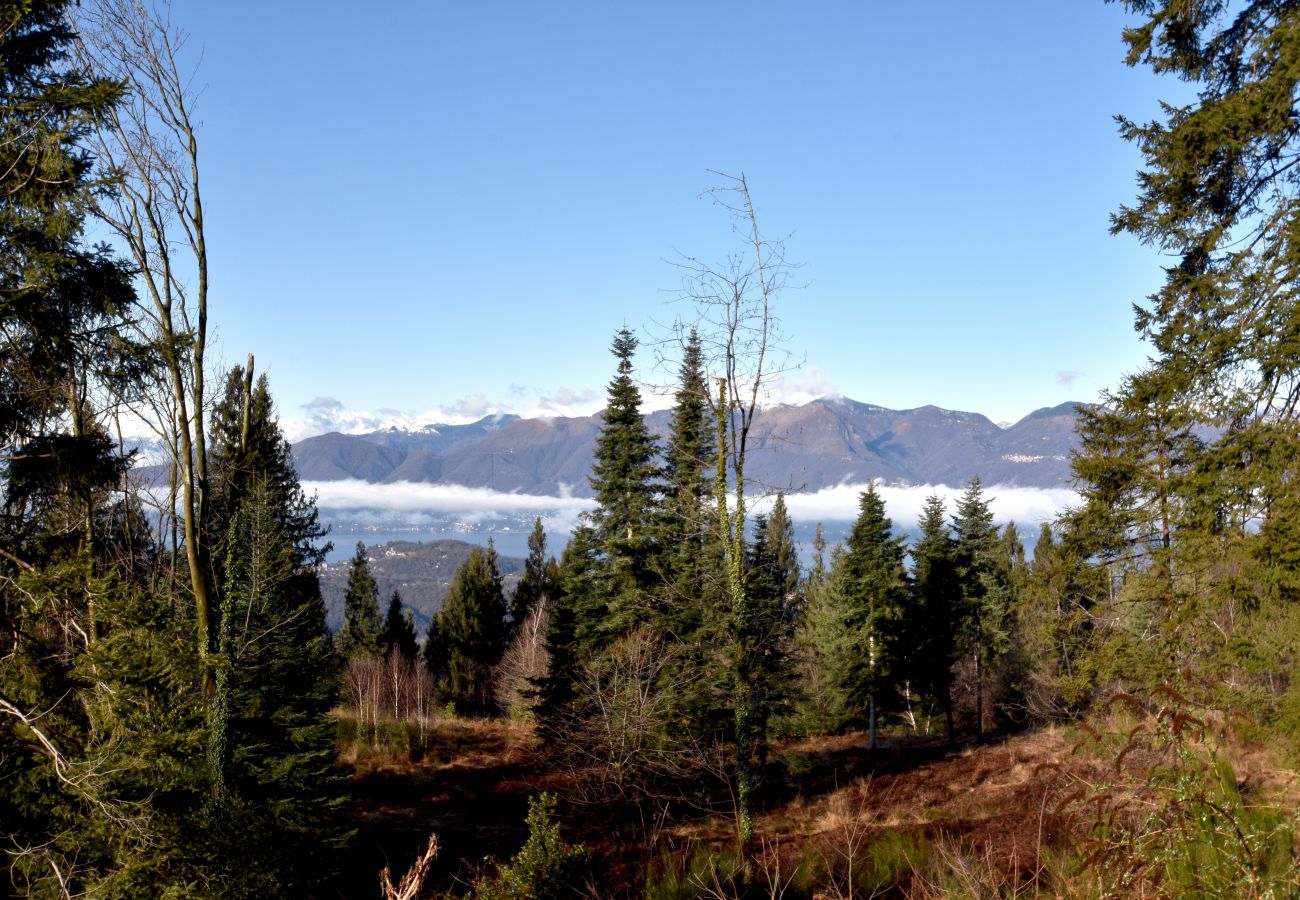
x=672, y=704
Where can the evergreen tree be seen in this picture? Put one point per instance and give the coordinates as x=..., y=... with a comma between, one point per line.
x=64, y=306
x=985, y=594
x=1218, y=193
x=535, y=583
x=772, y=574
x=691, y=554
x=1054, y=611
x=870, y=585
x=280, y=821
x=472, y=632
x=819, y=639
x=360, y=634
x=624, y=481
x=573, y=580
x=818, y=574
x=398, y=635
x=271, y=740
x=933, y=622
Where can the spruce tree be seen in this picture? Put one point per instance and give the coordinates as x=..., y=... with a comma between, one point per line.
x=870, y=586
x=819, y=640
x=1218, y=193
x=932, y=623
x=360, y=633
x=271, y=741
x=534, y=585
x=985, y=594
x=1055, y=614
x=398, y=635
x=771, y=576
x=691, y=553
x=574, y=586
x=472, y=632
x=281, y=818
x=624, y=479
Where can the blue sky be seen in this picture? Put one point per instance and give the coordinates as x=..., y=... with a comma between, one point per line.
x=445, y=209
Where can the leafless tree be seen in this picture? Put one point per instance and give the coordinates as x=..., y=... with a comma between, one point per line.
x=745, y=349
x=150, y=144
x=390, y=688
x=523, y=664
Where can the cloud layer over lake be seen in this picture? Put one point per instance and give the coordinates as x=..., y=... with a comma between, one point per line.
x=421, y=503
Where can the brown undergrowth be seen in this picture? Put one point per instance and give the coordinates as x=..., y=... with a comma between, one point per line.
x=1006, y=818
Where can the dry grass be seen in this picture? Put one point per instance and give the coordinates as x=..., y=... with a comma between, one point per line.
x=912, y=818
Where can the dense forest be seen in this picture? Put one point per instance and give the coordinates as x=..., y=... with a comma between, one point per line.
x=660, y=707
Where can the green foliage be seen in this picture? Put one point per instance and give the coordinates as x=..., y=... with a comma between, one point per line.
x=1183, y=825
x=772, y=578
x=691, y=550
x=1056, y=626
x=398, y=635
x=471, y=632
x=546, y=868
x=536, y=583
x=818, y=634
x=869, y=588
x=279, y=679
x=624, y=479
x=1217, y=193
x=65, y=307
x=695, y=873
x=987, y=591
x=362, y=629
x=931, y=624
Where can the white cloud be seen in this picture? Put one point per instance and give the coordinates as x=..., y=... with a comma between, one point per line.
x=420, y=503
x=1067, y=376
x=1028, y=507
x=797, y=388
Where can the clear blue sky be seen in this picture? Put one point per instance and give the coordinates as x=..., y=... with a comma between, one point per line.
x=411, y=204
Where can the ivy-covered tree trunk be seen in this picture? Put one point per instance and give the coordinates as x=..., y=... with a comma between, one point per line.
x=731, y=523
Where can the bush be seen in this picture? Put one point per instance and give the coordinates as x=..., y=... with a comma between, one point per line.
x=1177, y=821
x=546, y=868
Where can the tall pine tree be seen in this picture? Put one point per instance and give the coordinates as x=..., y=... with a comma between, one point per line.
x=624, y=479
x=472, y=633
x=932, y=624
x=870, y=585
x=361, y=630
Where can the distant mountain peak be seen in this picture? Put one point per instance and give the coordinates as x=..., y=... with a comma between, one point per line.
x=806, y=446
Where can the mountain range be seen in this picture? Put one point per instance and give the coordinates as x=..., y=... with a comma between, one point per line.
x=814, y=445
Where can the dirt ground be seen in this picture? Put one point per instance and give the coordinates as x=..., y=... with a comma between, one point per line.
x=994, y=801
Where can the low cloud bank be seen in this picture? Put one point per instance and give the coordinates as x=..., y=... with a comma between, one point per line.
x=421, y=503
x=1026, y=506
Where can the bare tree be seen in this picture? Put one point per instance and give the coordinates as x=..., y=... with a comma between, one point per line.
x=150, y=143
x=744, y=345
x=523, y=665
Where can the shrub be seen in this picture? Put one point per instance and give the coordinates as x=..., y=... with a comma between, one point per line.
x=546, y=868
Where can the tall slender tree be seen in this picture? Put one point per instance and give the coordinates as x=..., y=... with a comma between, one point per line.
x=360, y=633
x=398, y=635
x=870, y=585
x=772, y=579
x=933, y=622
x=472, y=631
x=984, y=593
x=535, y=585
x=691, y=552
x=624, y=479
